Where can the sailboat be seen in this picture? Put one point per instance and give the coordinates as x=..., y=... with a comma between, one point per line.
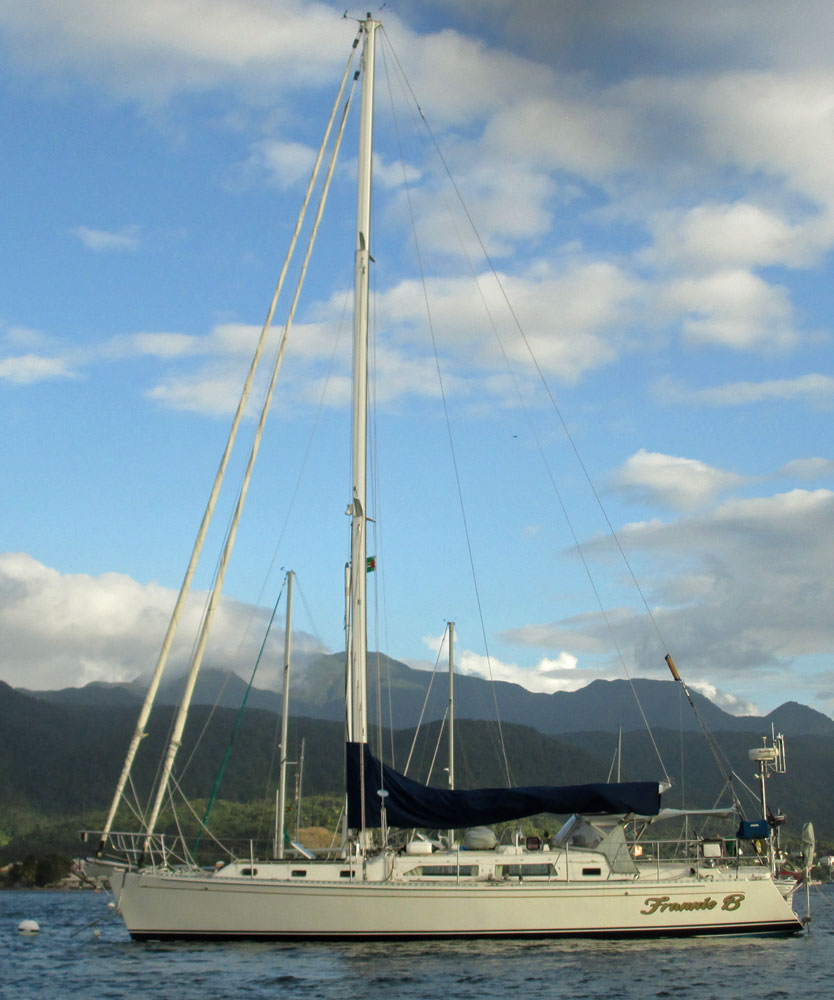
x=602, y=874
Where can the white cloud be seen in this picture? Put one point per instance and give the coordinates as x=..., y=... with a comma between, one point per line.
x=395, y=174
x=809, y=468
x=510, y=205
x=583, y=132
x=213, y=391
x=680, y=483
x=729, y=702
x=750, y=584
x=574, y=319
x=23, y=337
x=462, y=80
x=740, y=593
x=163, y=345
x=719, y=237
x=286, y=163
x=704, y=138
x=545, y=677
x=103, y=241
x=218, y=362
x=774, y=122
x=814, y=389
x=571, y=318
x=213, y=385
x=550, y=674
x=532, y=121
x=65, y=630
x=570, y=321
x=163, y=47
x=26, y=369
x=714, y=34
x=582, y=634
x=732, y=308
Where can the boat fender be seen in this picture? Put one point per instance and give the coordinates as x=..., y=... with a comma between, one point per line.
x=479, y=838
x=420, y=847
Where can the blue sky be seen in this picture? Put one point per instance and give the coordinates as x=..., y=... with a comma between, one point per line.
x=653, y=184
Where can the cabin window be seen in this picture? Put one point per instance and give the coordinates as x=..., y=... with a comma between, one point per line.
x=527, y=871
x=447, y=871
x=347, y=874
x=592, y=871
x=298, y=873
x=248, y=871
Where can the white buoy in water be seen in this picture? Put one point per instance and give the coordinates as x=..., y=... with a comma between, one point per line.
x=28, y=927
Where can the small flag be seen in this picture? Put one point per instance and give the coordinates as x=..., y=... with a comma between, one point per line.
x=371, y=563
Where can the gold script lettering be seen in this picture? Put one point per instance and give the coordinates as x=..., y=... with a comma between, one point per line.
x=660, y=904
x=733, y=901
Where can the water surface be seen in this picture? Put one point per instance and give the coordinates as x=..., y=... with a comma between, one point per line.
x=84, y=951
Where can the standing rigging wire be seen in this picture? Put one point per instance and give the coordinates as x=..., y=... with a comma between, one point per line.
x=175, y=741
x=239, y=716
x=425, y=706
x=718, y=756
x=140, y=729
x=554, y=486
x=715, y=750
x=451, y=440
x=375, y=503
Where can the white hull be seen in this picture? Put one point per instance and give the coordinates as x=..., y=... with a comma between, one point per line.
x=158, y=904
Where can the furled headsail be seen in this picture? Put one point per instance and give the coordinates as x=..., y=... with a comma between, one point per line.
x=408, y=803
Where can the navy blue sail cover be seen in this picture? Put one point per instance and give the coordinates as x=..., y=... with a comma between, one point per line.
x=410, y=804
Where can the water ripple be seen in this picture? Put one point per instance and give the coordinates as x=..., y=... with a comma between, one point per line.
x=83, y=951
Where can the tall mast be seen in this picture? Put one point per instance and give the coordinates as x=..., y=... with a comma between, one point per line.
x=285, y=712
x=358, y=646
x=451, y=704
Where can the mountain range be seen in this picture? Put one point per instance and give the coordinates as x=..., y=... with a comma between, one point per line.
x=61, y=751
x=318, y=693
